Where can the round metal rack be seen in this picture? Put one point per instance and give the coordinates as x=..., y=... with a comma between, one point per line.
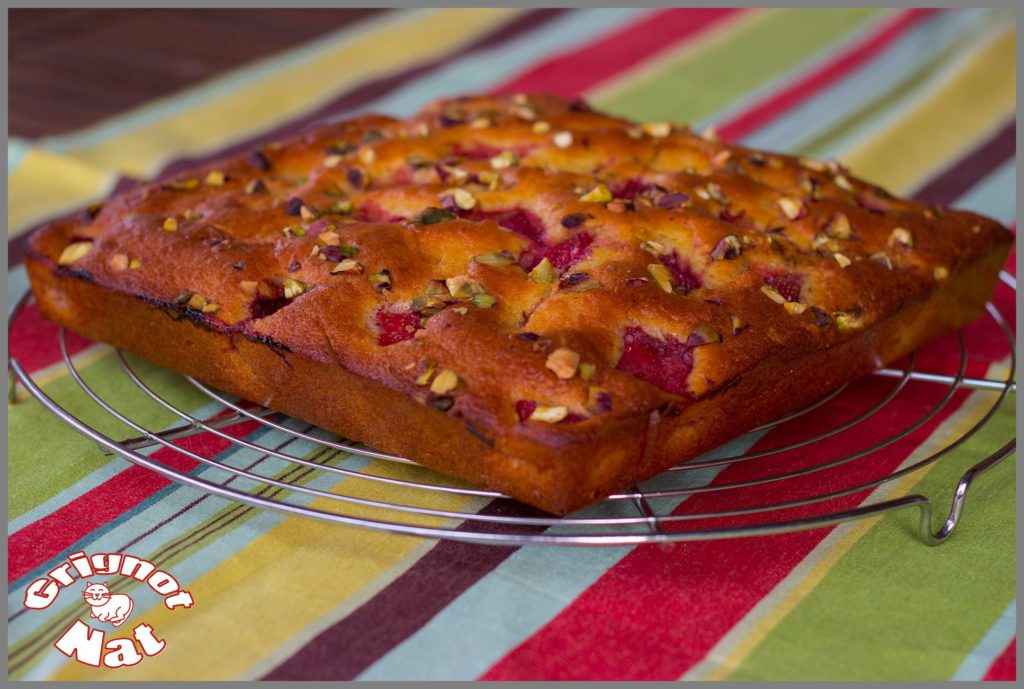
x=817, y=468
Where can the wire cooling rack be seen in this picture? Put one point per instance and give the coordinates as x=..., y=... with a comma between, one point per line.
x=824, y=472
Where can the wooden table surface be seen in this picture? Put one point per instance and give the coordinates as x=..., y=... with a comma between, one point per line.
x=72, y=67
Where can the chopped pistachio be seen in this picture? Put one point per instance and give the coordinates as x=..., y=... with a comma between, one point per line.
x=119, y=262
x=824, y=243
x=773, y=294
x=380, y=281
x=171, y=224
x=248, y=287
x=564, y=362
x=847, y=321
x=843, y=182
x=216, y=178
x=504, y=160
x=587, y=371
x=883, y=258
x=134, y=263
x=463, y=199
x=483, y=300
x=940, y=273
x=445, y=381
x=793, y=210
x=656, y=248
x=308, y=214
x=256, y=186
x=562, y=139
x=839, y=227
x=659, y=130
x=211, y=308
x=73, y=252
x=738, y=325
x=340, y=207
x=598, y=194
x=495, y=258
x=293, y=288
x=463, y=287
x=549, y=414
x=432, y=215
x=728, y=248
x=721, y=158
x=482, y=122
x=197, y=302
x=702, y=335
x=183, y=185
x=902, y=236
x=842, y=260
x=716, y=194
x=332, y=161
x=428, y=373
x=661, y=276
x=544, y=272
x=540, y=127
x=812, y=164
x=296, y=231
x=348, y=265
x=329, y=238
x=794, y=308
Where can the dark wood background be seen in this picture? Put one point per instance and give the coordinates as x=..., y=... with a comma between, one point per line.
x=72, y=67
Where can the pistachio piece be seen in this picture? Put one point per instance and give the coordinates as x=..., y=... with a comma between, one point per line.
x=495, y=258
x=134, y=263
x=340, y=207
x=428, y=373
x=329, y=238
x=845, y=320
x=901, y=236
x=599, y=194
x=661, y=276
x=211, y=308
x=74, y=251
x=794, y=210
x=715, y=193
x=842, y=260
x=728, y=248
x=333, y=160
x=940, y=273
x=656, y=248
x=564, y=362
x=293, y=288
x=541, y=127
x=183, y=185
x=738, y=325
x=844, y=183
x=119, y=262
x=463, y=199
x=702, y=335
x=380, y=281
x=883, y=258
x=658, y=130
x=548, y=414
x=197, y=302
x=562, y=139
x=483, y=300
x=544, y=272
x=504, y=160
x=773, y=294
x=347, y=265
x=839, y=226
x=463, y=287
x=216, y=178
x=170, y=224
x=432, y=215
x=308, y=214
x=794, y=308
x=248, y=287
x=445, y=381
x=587, y=371
x=256, y=186
x=812, y=164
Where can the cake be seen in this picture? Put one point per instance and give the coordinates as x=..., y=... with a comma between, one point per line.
x=519, y=291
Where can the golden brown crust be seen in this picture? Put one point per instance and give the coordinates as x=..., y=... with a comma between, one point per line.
x=704, y=299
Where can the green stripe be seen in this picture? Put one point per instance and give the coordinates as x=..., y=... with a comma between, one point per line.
x=895, y=609
x=48, y=456
x=697, y=84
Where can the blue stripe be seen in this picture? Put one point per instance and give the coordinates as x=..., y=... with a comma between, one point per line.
x=981, y=657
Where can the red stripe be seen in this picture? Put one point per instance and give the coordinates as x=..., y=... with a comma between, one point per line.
x=1004, y=669
x=55, y=533
x=34, y=340
x=574, y=72
x=834, y=70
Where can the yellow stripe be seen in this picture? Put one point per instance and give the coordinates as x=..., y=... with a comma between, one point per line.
x=47, y=185
x=733, y=28
x=285, y=96
x=275, y=587
x=954, y=427
x=980, y=95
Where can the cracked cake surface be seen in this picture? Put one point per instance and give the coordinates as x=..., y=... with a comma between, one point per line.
x=529, y=267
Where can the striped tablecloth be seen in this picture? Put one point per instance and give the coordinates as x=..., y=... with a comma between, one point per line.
x=922, y=101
